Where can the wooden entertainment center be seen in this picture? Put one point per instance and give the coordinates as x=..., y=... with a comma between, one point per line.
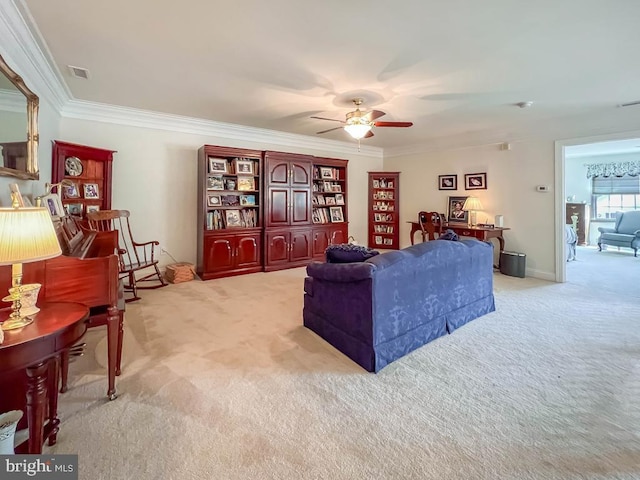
x=265, y=210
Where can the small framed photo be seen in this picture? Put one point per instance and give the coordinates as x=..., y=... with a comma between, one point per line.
x=339, y=199
x=91, y=190
x=327, y=187
x=230, y=200
x=229, y=184
x=331, y=201
x=336, y=188
x=326, y=172
x=232, y=218
x=246, y=183
x=215, y=182
x=93, y=208
x=217, y=165
x=376, y=183
x=447, y=182
x=247, y=200
x=336, y=214
x=71, y=191
x=321, y=200
x=244, y=167
x=74, y=209
x=213, y=200
x=455, y=213
x=54, y=205
x=475, y=181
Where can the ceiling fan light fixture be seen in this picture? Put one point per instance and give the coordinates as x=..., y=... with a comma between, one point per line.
x=357, y=130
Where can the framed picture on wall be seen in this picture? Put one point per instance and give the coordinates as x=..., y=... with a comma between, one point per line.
x=475, y=181
x=455, y=213
x=447, y=182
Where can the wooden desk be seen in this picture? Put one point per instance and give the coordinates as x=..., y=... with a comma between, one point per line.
x=36, y=349
x=481, y=233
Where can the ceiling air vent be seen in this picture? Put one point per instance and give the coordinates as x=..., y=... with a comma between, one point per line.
x=630, y=104
x=79, y=72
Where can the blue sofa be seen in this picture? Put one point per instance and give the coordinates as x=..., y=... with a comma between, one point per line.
x=625, y=233
x=379, y=310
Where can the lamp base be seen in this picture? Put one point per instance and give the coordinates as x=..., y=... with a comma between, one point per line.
x=14, y=323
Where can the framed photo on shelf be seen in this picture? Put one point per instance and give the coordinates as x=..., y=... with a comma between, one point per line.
x=475, y=181
x=91, y=190
x=336, y=214
x=54, y=205
x=447, y=182
x=247, y=200
x=246, y=183
x=217, y=165
x=71, y=190
x=331, y=201
x=230, y=200
x=232, y=218
x=74, y=209
x=321, y=200
x=339, y=199
x=326, y=172
x=244, y=167
x=336, y=188
x=93, y=208
x=376, y=183
x=455, y=213
x=213, y=200
x=215, y=182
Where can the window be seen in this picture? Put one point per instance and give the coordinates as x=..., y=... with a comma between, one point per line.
x=614, y=194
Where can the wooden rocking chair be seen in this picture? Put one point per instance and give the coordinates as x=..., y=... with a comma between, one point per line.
x=133, y=256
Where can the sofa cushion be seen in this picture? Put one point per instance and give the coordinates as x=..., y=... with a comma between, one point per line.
x=449, y=235
x=348, y=253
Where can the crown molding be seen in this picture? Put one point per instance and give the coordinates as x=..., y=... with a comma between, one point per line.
x=25, y=50
x=98, y=112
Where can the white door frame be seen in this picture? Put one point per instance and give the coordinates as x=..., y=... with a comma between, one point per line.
x=560, y=147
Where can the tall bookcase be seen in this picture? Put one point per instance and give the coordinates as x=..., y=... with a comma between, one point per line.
x=87, y=171
x=230, y=214
x=384, y=210
x=329, y=204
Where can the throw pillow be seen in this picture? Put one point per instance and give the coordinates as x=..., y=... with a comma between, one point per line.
x=449, y=235
x=348, y=253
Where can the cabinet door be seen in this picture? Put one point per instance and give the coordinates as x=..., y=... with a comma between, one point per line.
x=300, y=206
x=338, y=235
x=218, y=254
x=278, y=206
x=248, y=251
x=277, y=172
x=320, y=241
x=300, y=174
x=277, y=247
x=300, y=245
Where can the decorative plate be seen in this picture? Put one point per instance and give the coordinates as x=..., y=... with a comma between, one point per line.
x=73, y=166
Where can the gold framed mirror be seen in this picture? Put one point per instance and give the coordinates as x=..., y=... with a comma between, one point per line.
x=18, y=126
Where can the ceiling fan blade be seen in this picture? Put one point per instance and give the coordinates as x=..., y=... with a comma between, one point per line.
x=373, y=114
x=330, y=119
x=368, y=134
x=393, y=124
x=330, y=130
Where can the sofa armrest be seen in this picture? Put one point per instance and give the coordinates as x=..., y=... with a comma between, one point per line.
x=340, y=272
x=637, y=233
x=606, y=230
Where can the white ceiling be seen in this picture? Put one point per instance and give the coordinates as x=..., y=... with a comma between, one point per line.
x=451, y=67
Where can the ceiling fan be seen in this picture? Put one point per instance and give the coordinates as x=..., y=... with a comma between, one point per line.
x=359, y=124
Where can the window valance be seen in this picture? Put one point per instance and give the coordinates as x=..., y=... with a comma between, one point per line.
x=617, y=169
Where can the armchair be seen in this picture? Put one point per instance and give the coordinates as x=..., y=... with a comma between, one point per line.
x=626, y=232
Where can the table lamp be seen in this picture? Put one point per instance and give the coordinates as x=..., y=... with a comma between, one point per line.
x=472, y=204
x=26, y=235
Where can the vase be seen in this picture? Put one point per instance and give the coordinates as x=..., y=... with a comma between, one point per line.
x=8, y=423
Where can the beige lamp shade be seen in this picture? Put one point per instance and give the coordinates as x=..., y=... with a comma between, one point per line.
x=472, y=203
x=27, y=235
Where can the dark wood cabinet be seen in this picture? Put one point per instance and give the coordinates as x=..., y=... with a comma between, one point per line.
x=286, y=248
x=384, y=210
x=577, y=215
x=288, y=189
x=88, y=172
x=229, y=211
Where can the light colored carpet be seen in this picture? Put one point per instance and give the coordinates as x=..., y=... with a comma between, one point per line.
x=221, y=381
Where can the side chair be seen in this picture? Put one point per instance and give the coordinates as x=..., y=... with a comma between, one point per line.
x=430, y=224
x=133, y=256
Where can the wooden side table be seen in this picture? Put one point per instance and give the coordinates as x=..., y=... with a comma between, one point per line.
x=36, y=349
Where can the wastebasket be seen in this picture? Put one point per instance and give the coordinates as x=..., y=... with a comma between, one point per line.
x=513, y=263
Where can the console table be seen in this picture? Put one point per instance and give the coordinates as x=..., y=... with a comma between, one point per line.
x=36, y=349
x=481, y=233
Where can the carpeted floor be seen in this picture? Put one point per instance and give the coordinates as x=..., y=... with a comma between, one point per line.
x=221, y=381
